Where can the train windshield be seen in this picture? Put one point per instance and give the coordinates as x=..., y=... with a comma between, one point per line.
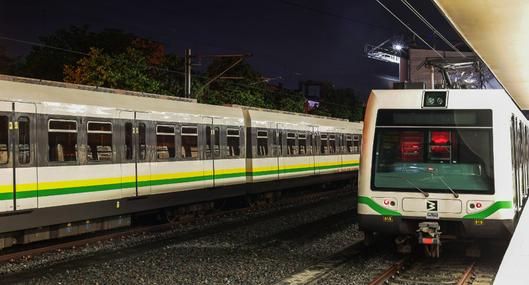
x=433, y=157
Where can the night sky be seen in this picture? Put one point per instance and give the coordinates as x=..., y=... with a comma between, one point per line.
x=291, y=39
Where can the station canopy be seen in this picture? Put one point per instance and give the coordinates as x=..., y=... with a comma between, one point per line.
x=498, y=31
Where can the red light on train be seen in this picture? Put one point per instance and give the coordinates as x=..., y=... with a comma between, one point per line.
x=478, y=205
x=440, y=137
x=386, y=202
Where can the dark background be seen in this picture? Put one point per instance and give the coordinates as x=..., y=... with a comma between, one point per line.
x=293, y=40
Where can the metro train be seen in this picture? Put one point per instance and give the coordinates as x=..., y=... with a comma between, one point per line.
x=77, y=159
x=443, y=164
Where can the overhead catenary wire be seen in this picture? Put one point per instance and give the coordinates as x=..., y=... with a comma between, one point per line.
x=408, y=27
x=429, y=25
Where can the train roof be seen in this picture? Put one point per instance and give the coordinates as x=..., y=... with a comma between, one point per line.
x=34, y=90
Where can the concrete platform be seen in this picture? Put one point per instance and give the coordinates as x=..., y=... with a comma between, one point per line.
x=514, y=268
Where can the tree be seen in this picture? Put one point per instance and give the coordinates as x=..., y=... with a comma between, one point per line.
x=68, y=46
x=340, y=103
x=128, y=70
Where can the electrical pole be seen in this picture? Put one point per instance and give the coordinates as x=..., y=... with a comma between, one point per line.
x=187, y=79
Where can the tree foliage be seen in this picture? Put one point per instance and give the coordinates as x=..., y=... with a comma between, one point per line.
x=340, y=103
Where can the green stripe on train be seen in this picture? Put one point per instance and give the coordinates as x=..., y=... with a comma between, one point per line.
x=116, y=186
x=490, y=210
x=376, y=207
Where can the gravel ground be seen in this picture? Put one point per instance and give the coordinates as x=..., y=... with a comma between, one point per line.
x=257, y=253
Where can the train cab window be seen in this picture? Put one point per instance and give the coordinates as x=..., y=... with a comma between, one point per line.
x=332, y=144
x=128, y=141
x=357, y=140
x=189, y=142
x=292, y=148
x=234, y=139
x=262, y=143
x=99, y=146
x=62, y=140
x=165, y=142
x=324, y=147
x=4, y=139
x=142, y=141
x=212, y=144
x=302, y=141
x=24, y=152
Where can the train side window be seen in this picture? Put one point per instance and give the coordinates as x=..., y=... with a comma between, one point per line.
x=234, y=145
x=165, y=142
x=142, y=141
x=190, y=142
x=216, y=143
x=62, y=140
x=24, y=153
x=128, y=141
x=348, y=144
x=99, y=146
x=302, y=141
x=292, y=149
x=4, y=139
x=357, y=139
x=324, y=147
x=262, y=143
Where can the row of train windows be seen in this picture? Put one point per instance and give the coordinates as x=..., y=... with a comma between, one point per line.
x=62, y=141
x=302, y=144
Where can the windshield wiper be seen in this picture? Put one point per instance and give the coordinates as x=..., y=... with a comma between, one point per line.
x=426, y=194
x=444, y=182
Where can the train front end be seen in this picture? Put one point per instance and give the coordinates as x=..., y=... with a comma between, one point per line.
x=430, y=166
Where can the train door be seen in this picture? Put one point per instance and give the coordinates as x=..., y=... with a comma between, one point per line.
x=281, y=152
x=211, y=149
x=7, y=197
x=18, y=172
x=143, y=156
x=129, y=179
x=24, y=135
x=135, y=166
x=314, y=147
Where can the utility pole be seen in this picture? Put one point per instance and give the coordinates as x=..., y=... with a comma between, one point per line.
x=187, y=79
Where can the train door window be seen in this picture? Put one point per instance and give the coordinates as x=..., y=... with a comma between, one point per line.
x=4, y=139
x=332, y=144
x=190, y=142
x=62, y=140
x=278, y=143
x=215, y=144
x=24, y=152
x=348, y=143
x=142, y=141
x=302, y=141
x=128, y=140
x=324, y=147
x=99, y=146
x=292, y=149
x=165, y=142
x=234, y=142
x=310, y=142
x=356, y=144
x=262, y=143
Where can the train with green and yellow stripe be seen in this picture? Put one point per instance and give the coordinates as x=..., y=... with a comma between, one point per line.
x=77, y=159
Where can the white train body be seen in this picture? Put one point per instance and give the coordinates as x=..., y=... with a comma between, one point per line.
x=73, y=153
x=474, y=145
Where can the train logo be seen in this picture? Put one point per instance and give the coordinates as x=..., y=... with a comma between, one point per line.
x=431, y=206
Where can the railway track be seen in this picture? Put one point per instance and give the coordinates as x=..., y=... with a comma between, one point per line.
x=426, y=271
x=283, y=205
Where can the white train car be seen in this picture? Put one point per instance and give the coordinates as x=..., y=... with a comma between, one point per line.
x=70, y=155
x=453, y=158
